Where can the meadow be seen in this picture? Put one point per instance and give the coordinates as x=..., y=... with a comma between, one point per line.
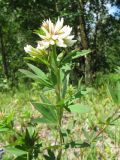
x=16, y=113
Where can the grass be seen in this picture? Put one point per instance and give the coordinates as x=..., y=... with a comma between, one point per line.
x=80, y=126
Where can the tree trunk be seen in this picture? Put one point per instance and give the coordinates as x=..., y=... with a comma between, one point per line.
x=84, y=41
x=56, y=7
x=94, y=55
x=3, y=53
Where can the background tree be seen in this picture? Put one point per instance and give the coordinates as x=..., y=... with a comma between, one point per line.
x=89, y=19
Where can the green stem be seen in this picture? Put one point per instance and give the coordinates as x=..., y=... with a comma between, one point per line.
x=60, y=112
x=105, y=126
x=58, y=91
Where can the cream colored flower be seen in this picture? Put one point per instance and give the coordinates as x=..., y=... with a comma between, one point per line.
x=42, y=45
x=28, y=48
x=55, y=34
x=52, y=34
x=33, y=52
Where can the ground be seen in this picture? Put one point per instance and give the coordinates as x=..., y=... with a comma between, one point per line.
x=17, y=105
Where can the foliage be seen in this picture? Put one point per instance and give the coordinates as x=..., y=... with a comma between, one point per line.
x=18, y=21
x=66, y=119
x=75, y=126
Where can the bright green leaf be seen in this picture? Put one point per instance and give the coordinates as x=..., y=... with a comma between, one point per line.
x=79, y=108
x=74, y=54
x=47, y=110
x=4, y=129
x=42, y=120
x=15, y=151
x=28, y=74
x=81, y=53
x=38, y=72
x=115, y=92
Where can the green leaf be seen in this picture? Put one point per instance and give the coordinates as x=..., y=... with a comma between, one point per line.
x=15, y=151
x=38, y=72
x=60, y=56
x=117, y=69
x=31, y=131
x=66, y=68
x=42, y=60
x=54, y=147
x=79, y=108
x=81, y=53
x=74, y=54
x=44, y=98
x=41, y=75
x=43, y=120
x=4, y=129
x=65, y=86
x=28, y=74
x=36, y=77
x=39, y=31
x=47, y=110
x=78, y=144
x=38, y=59
x=115, y=92
x=68, y=57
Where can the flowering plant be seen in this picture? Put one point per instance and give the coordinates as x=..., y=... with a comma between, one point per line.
x=54, y=36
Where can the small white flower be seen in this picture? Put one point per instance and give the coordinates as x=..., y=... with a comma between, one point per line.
x=39, y=50
x=42, y=45
x=28, y=48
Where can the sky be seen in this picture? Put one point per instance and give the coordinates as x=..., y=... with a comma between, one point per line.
x=112, y=9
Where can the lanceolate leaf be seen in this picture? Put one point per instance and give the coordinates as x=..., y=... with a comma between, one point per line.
x=28, y=74
x=41, y=75
x=38, y=72
x=65, y=86
x=44, y=98
x=47, y=110
x=4, y=129
x=74, y=54
x=115, y=92
x=39, y=78
x=15, y=151
x=68, y=57
x=42, y=120
x=81, y=53
x=79, y=108
x=37, y=59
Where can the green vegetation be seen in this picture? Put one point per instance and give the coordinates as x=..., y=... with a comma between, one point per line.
x=61, y=99
x=102, y=107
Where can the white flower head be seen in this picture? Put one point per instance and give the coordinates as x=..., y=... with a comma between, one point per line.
x=33, y=52
x=51, y=34
x=28, y=48
x=56, y=34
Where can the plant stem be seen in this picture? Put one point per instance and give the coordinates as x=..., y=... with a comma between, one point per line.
x=58, y=91
x=106, y=125
x=60, y=112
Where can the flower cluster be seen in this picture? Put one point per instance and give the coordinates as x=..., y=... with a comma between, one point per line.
x=53, y=34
